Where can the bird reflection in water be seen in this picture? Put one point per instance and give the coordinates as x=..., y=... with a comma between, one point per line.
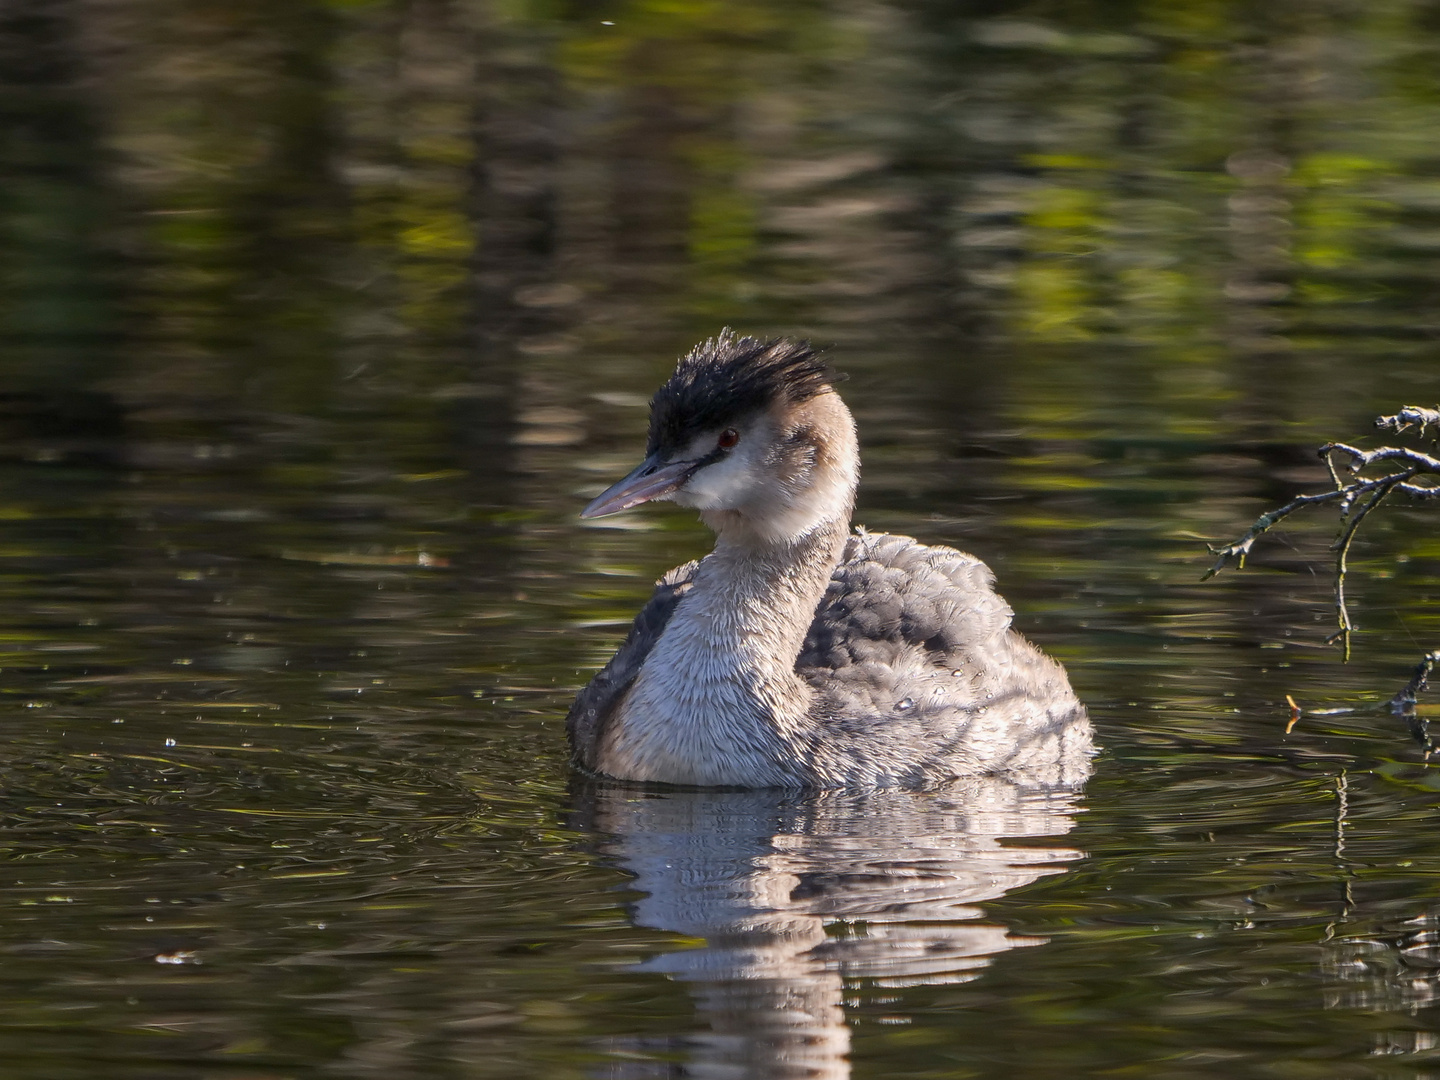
x=798, y=896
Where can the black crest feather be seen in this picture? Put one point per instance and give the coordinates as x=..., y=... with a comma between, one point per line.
x=728, y=377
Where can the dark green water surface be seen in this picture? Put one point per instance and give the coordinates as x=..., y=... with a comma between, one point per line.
x=320, y=321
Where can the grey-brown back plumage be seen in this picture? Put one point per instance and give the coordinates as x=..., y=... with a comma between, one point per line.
x=917, y=666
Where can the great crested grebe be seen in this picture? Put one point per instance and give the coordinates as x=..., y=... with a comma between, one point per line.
x=798, y=653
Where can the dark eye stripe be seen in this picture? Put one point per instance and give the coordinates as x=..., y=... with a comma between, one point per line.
x=718, y=454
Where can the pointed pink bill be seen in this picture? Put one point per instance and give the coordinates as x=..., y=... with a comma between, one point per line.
x=649, y=480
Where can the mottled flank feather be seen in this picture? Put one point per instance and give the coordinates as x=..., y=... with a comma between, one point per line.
x=891, y=592
x=729, y=377
x=922, y=678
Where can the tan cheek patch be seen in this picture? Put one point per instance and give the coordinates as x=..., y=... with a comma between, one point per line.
x=795, y=457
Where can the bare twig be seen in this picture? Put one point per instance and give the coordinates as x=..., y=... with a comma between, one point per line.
x=1411, y=416
x=1357, y=498
x=1362, y=459
x=1411, y=691
x=1403, y=703
x=1342, y=557
x=1263, y=524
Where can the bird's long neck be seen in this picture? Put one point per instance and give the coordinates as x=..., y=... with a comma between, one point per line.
x=758, y=599
x=718, y=700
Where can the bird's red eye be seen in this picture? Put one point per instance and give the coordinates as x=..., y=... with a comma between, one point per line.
x=728, y=438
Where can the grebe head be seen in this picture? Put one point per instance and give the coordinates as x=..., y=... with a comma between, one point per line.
x=752, y=434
